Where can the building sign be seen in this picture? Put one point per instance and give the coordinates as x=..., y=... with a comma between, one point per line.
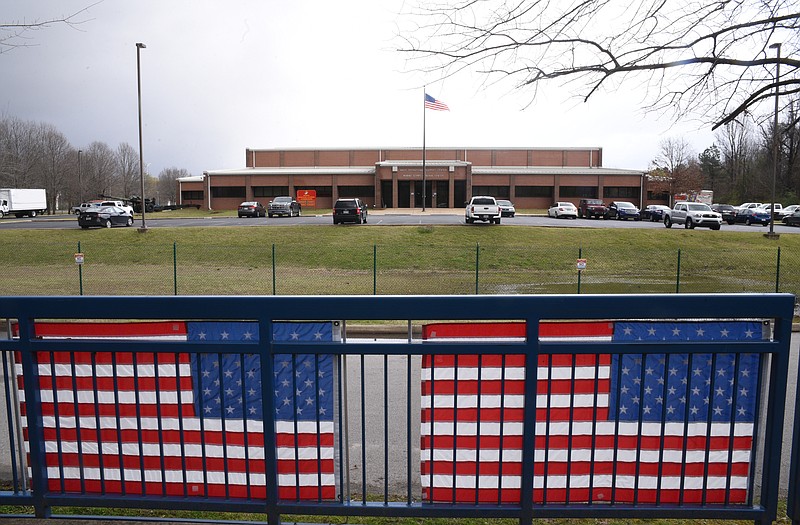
x=307, y=198
x=431, y=172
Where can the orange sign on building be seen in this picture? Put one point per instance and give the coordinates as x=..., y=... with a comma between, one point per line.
x=307, y=198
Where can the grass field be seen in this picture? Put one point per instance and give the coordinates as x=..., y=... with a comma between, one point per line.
x=396, y=260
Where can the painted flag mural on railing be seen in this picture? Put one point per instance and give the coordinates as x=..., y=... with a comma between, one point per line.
x=186, y=425
x=650, y=428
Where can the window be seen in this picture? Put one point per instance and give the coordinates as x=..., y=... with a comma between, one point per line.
x=356, y=191
x=621, y=192
x=322, y=191
x=499, y=192
x=533, y=191
x=228, y=191
x=657, y=195
x=193, y=195
x=270, y=191
x=584, y=192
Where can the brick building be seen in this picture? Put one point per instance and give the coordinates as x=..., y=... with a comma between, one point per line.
x=393, y=178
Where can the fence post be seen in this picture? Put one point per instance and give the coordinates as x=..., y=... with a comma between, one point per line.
x=580, y=256
x=778, y=271
x=678, y=274
x=374, y=269
x=80, y=271
x=175, y=267
x=477, y=265
x=274, y=282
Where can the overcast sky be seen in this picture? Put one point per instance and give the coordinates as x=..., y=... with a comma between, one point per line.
x=219, y=77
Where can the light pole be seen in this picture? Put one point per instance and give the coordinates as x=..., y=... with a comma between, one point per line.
x=80, y=178
x=139, y=47
x=775, y=142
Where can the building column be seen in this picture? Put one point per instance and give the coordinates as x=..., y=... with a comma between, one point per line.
x=394, y=189
x=452, y=189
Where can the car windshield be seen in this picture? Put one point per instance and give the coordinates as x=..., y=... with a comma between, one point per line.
x=282, y=199
x=504, y=203
x=699, y=207
x=625, y=205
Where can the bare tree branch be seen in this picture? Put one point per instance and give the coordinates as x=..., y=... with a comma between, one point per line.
x=15, y=34
x=710, y=58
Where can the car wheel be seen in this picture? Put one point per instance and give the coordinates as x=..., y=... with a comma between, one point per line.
x=130, y=222
x=271, y=215
x=365, y=219
x=469, y=221
x=84, y=227
x=667, y=222
x=716, y=227
x=748, y=222
x=731, y=223
x=108, y=223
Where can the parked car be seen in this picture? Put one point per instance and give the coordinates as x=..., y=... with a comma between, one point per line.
x=251, y=209
x=622, y=210
x=506, y=208
x=727, y=211
x=84, y=206
x=654, y=212
x=753, y=216
x=788, y=210
x=792, y=219
x=692, y=215
x=746, y=205
x=119, y=204
x=283, y=206
x=349, y=210
x=104, y=217
x=563, y=209
x=591, y=208
x=482, y=208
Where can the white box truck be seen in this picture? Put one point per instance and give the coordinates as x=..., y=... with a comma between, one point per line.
x=22, y=202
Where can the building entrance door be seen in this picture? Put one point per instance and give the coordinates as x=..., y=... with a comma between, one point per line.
x=404, y=194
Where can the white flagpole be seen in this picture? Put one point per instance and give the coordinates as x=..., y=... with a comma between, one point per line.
x=423, y=148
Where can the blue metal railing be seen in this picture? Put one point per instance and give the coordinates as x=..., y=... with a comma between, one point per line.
x=117, y=428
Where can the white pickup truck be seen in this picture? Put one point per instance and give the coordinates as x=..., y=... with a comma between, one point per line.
x=692, y=214
x=482, y=208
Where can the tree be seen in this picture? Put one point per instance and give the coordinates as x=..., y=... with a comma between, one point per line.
x=99, y=170
x=167, y=187
x=676, y=161
x=711, y=166
x=54, y=164
x=711, y=57
x=738, y=159
x=127, y=169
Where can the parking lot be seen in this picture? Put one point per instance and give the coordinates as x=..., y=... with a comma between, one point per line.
x=389, y=217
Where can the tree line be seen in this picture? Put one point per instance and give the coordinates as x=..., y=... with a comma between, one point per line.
x=38, y=155
x=738, y=166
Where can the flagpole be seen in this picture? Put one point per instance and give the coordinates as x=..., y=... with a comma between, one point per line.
x=423, y=149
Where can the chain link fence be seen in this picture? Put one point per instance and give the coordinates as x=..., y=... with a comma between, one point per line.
x=194, y=269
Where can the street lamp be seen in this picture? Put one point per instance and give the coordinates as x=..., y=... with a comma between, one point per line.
x=140, y=46
x=772, y=234
x=80, y=178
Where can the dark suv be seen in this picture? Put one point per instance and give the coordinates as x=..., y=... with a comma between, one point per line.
x=727, y=211
x=589, y=208
x=349, y=210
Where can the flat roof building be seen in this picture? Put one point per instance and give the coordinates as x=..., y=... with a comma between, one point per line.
x=399, y=177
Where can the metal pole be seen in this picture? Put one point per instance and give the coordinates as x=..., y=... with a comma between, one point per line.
x=80, y=271
x=778, y=271
x=274, y=282
x=175, y=267
x=374, y=269
x=580, y=256
x=678, y=274
x=139, y=47
x=775, y=142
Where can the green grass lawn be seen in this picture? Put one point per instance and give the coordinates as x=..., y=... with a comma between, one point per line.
x=396, y=260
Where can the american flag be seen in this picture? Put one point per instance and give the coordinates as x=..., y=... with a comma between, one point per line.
x=186, y=425
x=432, y=103
x=693, y=443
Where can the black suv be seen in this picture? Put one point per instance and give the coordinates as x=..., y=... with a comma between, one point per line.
x=349, y=210
x=727, y=211
x=589, y=208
